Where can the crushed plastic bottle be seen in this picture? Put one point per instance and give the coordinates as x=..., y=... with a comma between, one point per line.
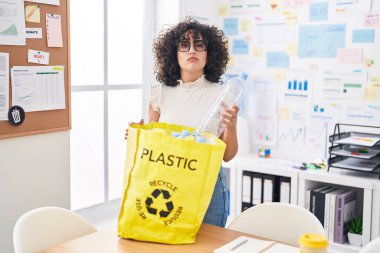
x=230, y=95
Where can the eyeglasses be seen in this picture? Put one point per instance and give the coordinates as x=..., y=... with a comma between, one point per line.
x=199, y=46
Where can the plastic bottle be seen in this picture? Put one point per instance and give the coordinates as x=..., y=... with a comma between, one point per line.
x=230, y=95
x=313, y=243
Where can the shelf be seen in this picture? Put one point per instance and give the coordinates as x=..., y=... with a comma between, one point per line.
x=355, y=138
x=355, y=151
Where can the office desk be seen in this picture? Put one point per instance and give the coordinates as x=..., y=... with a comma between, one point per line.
x=209, y=238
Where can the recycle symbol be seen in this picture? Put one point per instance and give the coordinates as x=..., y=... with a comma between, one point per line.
x=155, y=197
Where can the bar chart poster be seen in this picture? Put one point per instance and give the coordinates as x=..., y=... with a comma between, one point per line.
x=297, y=86
x=265, y=130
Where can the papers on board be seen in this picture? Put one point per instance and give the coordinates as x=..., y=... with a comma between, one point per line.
x=38, y=88
x=4, y=85
x=12, y=22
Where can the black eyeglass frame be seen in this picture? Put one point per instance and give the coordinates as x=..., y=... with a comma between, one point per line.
x=189, y=45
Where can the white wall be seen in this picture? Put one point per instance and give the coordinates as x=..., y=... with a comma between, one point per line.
x=34, y=172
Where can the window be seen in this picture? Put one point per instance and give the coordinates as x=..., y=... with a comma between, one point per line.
x=109, y=42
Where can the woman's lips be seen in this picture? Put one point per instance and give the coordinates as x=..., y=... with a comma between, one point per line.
x=192, y=59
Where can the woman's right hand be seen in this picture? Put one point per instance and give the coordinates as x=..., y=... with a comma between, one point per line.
x=129, y=124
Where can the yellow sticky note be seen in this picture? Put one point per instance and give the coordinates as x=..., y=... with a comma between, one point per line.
x=32, y=13
x=283, y=113
x=246, y=25
x=291, y=49
x=290, y=17
x=257, y=52
x=369, y=63
x=280, y=75
x=375, y=81
x=223, y=10
x=371, y=94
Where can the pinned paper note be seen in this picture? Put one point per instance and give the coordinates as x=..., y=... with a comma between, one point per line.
x=40, y=57
x=291, y=49
x=54, y=30
x=277, y=60
x=257, y=52
x=239, y=46
x=246, y=25
x=318, y=11
x=33, y=33
x=231, y=26
x=363, y=36
x=223, y=10
x=349, y=55
x=375, y=81
x=32, y=13
x=372, y=20
x=371, y=94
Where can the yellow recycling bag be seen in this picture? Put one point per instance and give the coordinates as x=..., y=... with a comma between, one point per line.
x=168, y=184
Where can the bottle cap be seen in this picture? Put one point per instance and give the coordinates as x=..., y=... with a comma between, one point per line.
x=313, y=241
x=243, y=76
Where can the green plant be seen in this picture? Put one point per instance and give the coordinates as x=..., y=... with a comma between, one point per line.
x=355, y=226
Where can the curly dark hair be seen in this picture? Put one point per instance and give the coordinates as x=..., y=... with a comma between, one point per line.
x=167, y=68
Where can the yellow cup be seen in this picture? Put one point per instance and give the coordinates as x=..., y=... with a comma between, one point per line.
x=313, y=243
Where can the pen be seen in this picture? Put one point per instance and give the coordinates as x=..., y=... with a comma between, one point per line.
x=238, y=245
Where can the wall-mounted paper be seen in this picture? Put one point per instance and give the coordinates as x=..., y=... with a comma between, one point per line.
x=4, y=85
x=265, y=131
x=239, y=46
x=12, y=23
x=318, y=11
x=359, y=113
x=346, y=85
x=350, y=55
x=53, y=2
x=294, y=3
x=223, y=10
x=39, y=57
x=231, y=26
x=32, y=13
x=269, y=27
x=321, y=41
x=363, y=36
x=54, y=30
x=277, y=60
x=33, y=33
x=357, y=6
x=38, y=88
x=372, y=20
x=291, y=134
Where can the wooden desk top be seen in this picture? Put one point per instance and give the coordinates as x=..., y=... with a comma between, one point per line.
x=208, y=238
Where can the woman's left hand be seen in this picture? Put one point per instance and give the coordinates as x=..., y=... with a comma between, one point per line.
x=229, y=118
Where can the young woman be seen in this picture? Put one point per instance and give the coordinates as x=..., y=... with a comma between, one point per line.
x=189, y=61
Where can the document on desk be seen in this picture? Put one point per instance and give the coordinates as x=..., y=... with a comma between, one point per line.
x=38, y=88
x=244, y=244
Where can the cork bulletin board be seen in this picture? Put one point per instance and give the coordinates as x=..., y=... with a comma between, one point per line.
x=44, y=121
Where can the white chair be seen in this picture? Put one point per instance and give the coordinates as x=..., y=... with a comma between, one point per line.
x=277, y=221
x=371, y=247
x=46, y=226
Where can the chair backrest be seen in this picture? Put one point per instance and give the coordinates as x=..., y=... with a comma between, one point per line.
x=46, y=226
x=277, y=221
x=371, y=247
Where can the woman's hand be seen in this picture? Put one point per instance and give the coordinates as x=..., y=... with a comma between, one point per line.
x=229, y=118
x=129, y=124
